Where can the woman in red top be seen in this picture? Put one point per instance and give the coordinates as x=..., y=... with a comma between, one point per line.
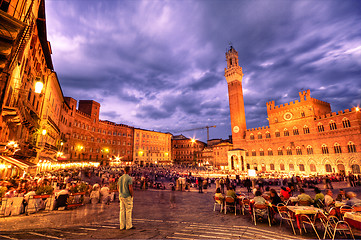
x=285, y=193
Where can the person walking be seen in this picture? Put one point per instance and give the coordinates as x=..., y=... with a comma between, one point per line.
x=125, y=187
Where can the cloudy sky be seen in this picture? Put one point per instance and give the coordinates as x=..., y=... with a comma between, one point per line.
x=160, y=65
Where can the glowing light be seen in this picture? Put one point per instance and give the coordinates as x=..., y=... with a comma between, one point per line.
x=193, y=140
x=357, y=109
x=44, y=132
x=61, y=144
x=38, y=87
x=11, y=143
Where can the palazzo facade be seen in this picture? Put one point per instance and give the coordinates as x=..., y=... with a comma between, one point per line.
x=303, y=136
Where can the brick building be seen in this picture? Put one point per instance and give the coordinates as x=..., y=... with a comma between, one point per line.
x=92, y=139
x=152, y=147
x=303, y=137
x=187, y=151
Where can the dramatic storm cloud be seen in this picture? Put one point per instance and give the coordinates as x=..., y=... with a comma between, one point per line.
x=159, y=65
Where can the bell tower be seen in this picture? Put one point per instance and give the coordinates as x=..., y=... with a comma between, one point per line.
x=234, y=74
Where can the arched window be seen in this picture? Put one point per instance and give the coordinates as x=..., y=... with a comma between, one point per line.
x=328, y=168
x=298, y=150
x=355, y=168
x=302, y=167
x=261, y=152
x=313, y=167
x=268, y=135
x=276, y=120
x=324, y=149
x=292, y=167
x=251, y=136
x=309, y=150
x=286, y=133
x=270, y=152
x=253, y=152
x=306, y=130
x=295, y=131
x=303, y=114
x=351, y=147
x=259, y=135
x=289, y=151
x=280, y=151
x=277, y=133
x=346, y=123
x=282, y=167
x=337, y=148
x=320, y=127
x=333, y=125
x=272, y=167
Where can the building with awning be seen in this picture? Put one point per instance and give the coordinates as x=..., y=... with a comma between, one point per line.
x=11, y=167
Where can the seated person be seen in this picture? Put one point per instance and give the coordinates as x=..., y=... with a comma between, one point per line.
x=341, y=196
x=219, y=195
x=352, y=199
x=275, y=199
x=319, y=197
x=304, y=198
x=231, y=192
x=258, y=199
x=329, y=202
x=285, y=194
x=267, y=193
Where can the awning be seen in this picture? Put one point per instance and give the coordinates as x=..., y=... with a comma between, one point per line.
x=23, y=164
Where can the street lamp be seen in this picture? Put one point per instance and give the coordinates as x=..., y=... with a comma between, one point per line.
x=39, y=86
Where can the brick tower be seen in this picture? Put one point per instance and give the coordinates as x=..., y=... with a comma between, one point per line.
x=234, y=74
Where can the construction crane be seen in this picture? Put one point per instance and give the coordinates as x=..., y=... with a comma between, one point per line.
x=206, y=127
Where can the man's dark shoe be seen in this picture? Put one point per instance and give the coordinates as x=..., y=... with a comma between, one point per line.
x=131, y=228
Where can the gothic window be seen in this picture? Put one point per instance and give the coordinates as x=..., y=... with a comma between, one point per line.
x=259, y=135
x=325, y=149
x=251, y=136
x=277, y=133
x=298, y=151
x=309, y=150
x=292, y=167
x=270, y=152
x=268, y=135
x=306, y=130
x=313, y=167
x=261, y=152
x=286, y=133
x=295, y=131
x=337, y=148
x=289, y=151
x=253, y=152
x=303, y=114
x=333, y=125
x=276, y=120
x=355, y=169
x=346, y=123
x=328, y=168
x=272, y=166
x=302, y=167
x=282, y=167
x=320, y=127
x=280, y=151
x=351, y=147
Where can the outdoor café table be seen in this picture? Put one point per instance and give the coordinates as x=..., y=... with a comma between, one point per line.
x=296, y=211
x=354, y=219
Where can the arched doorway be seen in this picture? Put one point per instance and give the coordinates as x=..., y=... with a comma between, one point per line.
x=341, y=168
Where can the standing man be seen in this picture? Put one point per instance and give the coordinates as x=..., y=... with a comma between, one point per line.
x=125, y=187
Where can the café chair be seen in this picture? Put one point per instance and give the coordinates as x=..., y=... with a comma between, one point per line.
x=356, y=207
x=285, y=215
x=218, y=201
x=230, y=202
x=245, y=204
x=344, y=209
x=261, y=210
x=304, y=219
x=333, y=226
